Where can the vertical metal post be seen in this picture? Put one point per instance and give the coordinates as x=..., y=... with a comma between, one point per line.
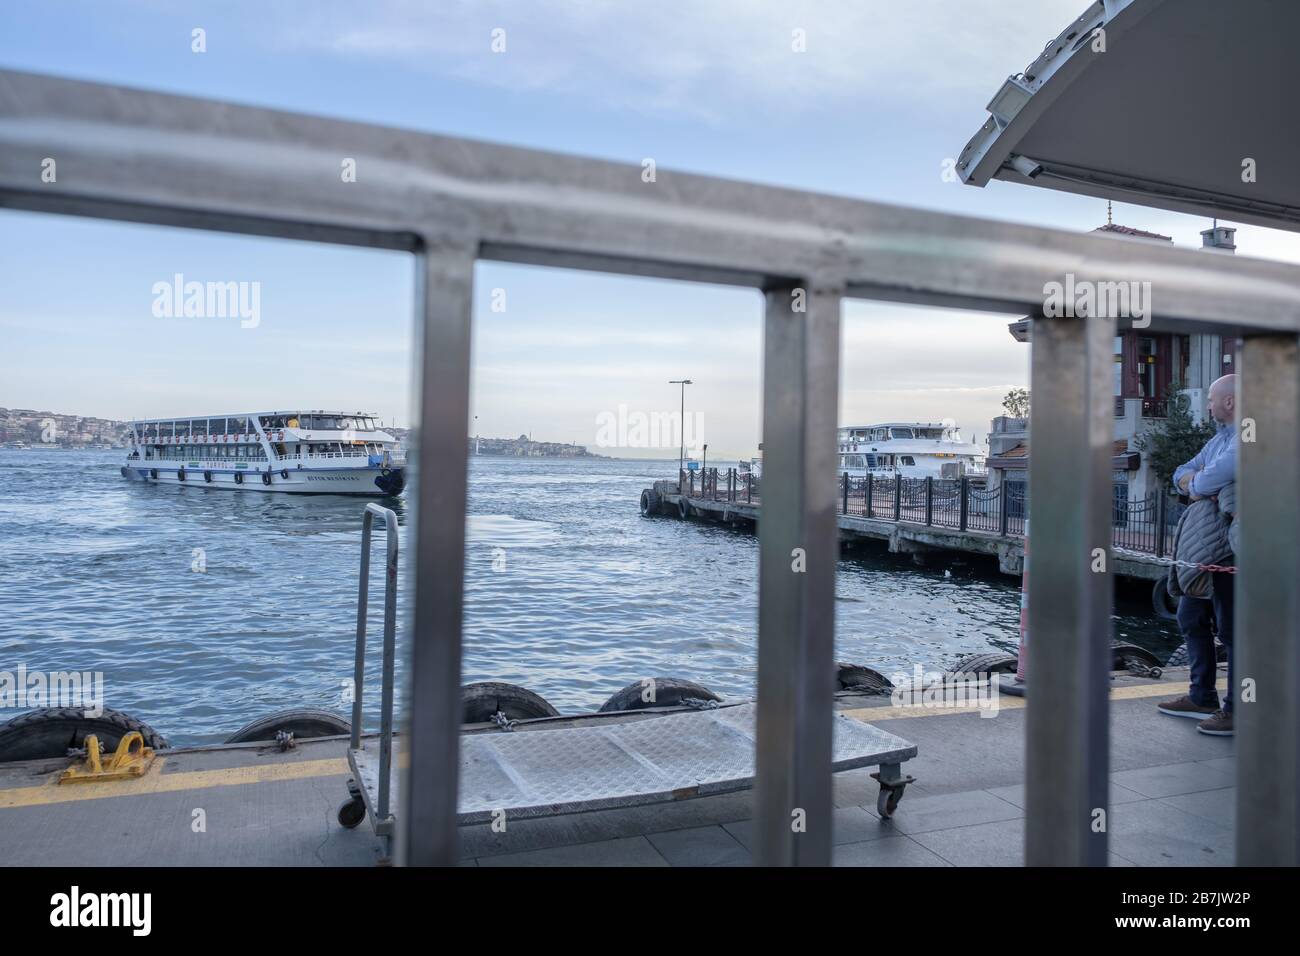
x=1266, y=651
x=1067, y=736
x=845, y=489
x=898, y=496
x=426, y=822
x=1162, y=502
x=363, y=598
x=963, y=509
x=798, y=551
x=929, y=499
x=1003, y=498
x=389, y=658
x=870, y=510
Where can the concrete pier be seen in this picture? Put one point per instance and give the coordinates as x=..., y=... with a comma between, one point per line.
x=1172, y=799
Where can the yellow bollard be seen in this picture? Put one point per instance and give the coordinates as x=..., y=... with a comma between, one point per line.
x=131, y=759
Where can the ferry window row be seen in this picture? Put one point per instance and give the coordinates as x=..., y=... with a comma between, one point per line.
x=874, y=462
x=885, y=434
x=322, y=423
x=197, y=426
x=181, y=452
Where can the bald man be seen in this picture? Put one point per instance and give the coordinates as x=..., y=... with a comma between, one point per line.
x=1204, y=476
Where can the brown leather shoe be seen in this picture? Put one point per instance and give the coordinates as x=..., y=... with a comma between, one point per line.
x=1185, y=707
x=1220, y=725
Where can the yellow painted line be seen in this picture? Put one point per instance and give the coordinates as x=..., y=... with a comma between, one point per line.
x=157, y=782
x=1005, y=702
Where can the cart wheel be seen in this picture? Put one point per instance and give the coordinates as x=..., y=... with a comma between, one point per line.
x=887, y=800
x=351, y=812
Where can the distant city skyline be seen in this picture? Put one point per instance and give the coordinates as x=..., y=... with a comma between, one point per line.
x=718, y=92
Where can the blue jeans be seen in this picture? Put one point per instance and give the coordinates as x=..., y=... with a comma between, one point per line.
x=1196, y=619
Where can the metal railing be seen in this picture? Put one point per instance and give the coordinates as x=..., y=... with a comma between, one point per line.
x=955, y=503
x=452, y=202
x=324, y=456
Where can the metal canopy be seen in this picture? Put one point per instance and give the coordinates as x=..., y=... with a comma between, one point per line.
x=1185, y=93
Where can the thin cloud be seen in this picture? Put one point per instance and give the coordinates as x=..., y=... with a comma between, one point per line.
x=706, y=58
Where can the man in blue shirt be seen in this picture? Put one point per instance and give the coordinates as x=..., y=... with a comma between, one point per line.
x=1204, y=476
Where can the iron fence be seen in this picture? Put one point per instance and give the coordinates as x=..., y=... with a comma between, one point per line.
x=1145, y=525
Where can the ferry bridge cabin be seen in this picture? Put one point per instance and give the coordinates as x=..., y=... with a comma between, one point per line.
x=294, y=452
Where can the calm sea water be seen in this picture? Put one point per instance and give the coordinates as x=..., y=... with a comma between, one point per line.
x=97, y=574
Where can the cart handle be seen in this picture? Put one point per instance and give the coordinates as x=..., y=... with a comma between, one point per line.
x=390, y=631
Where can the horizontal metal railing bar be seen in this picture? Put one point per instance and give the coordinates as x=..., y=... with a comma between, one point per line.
x=1134, y=522
x=152, y=157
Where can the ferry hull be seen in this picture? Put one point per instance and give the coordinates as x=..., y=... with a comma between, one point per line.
x=371, y=482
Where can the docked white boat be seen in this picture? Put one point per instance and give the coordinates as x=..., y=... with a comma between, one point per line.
x=910, y=450
x=316, y=452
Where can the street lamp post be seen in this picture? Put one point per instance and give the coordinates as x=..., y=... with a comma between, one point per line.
x=681, y=457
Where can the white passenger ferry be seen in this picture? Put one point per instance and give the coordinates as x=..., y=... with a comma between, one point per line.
x=316, y=452
x=909, y=449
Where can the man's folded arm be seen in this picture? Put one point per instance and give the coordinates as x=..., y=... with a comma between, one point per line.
x=1221, y=470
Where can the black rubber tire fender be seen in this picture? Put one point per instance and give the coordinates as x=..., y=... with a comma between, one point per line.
x=180, y=474
x=479, y=701
x=239, y=477
x=266, y=477
x=207, y=476
x=153, y=473
x=1121, y=653
x=303, y=722
x=668, y=692
x=53, y=731
x=861, y=678
x=649, y=502
x=683, y=508
x=284, y=473
x=986, y=662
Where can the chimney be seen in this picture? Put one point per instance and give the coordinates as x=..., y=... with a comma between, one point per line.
x=1219, y=237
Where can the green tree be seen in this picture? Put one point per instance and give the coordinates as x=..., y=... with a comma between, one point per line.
x=1017, y=403
x=1176, y=440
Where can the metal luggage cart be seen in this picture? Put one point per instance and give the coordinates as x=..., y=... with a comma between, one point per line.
x=608, y=760
x=371, y=782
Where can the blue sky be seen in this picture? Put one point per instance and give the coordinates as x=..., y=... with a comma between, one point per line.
x=883, y=95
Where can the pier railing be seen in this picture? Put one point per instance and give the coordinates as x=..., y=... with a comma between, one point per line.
x=148, y=157
x=1144, y=525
